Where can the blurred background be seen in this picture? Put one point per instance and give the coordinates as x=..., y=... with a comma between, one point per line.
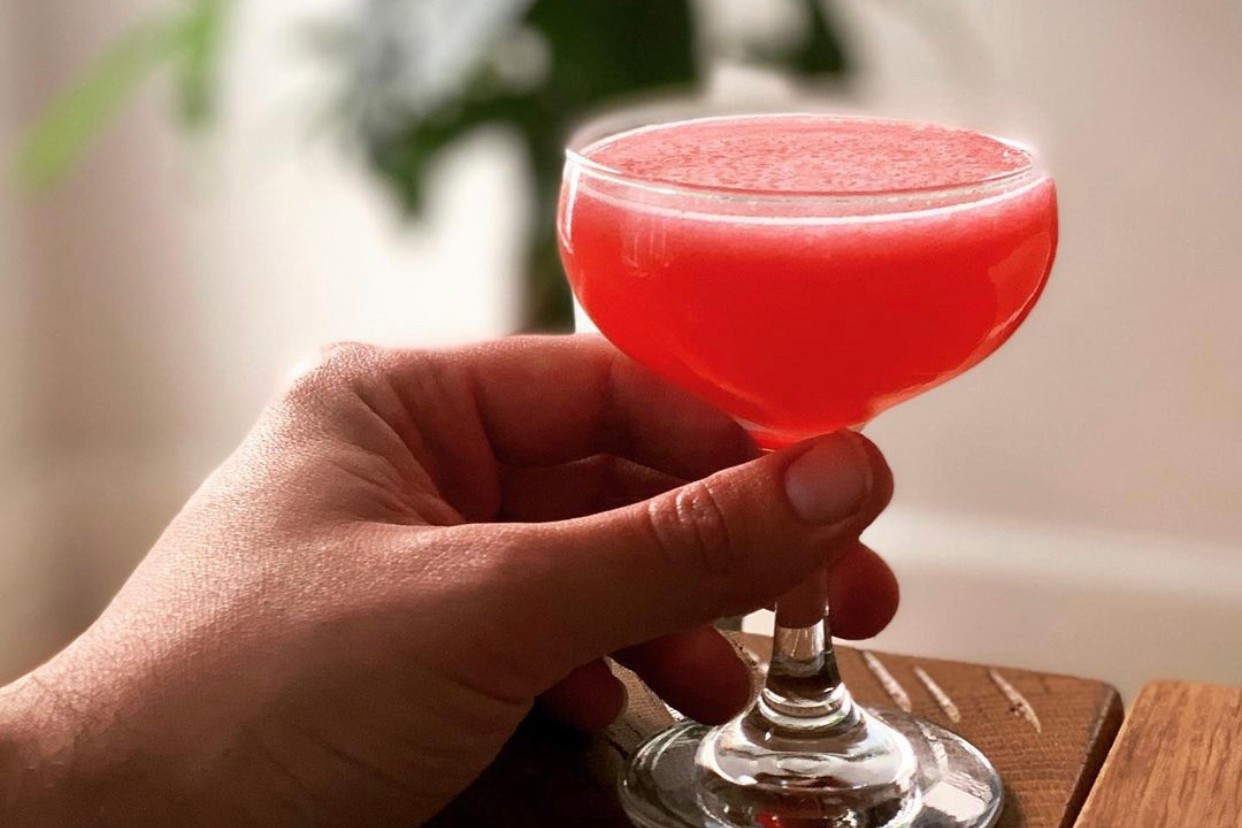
x=279, y=175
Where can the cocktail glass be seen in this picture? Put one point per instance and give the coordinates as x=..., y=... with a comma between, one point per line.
x=804, y=272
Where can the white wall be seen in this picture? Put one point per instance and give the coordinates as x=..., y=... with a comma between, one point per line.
x=1120, y=402
x=24, y=580
x=11, y=259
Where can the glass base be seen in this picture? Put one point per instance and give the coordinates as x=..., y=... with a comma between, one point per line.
x=955, y=786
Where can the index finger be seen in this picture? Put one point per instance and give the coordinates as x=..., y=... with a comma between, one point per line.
x=551, y=399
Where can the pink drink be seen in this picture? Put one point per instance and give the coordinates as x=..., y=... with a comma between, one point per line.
x=804, y=272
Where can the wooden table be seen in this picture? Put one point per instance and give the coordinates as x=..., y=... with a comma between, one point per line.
x=1177, y=762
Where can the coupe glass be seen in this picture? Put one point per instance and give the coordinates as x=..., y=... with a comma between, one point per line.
x=800, y=311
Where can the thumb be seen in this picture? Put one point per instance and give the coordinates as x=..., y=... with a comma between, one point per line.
x=724, y=545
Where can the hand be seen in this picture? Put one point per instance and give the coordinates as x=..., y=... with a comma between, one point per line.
x=351, y=616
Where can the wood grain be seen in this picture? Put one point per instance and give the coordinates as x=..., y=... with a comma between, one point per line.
x=1178, y=761
x=1048, y=744
x=548, y=776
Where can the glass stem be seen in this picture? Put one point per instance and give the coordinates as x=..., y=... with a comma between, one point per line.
x=803, y=689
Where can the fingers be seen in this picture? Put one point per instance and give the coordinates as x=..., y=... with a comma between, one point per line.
x=590, y=698
x=697, y=672
x=446, y=420
x=548, y=400
x=580, y=488
x=719, y=546
x=857, y=586
x=806, y=603
x=862, y=593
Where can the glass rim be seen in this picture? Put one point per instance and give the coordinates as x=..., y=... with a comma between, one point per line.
x=594, y=133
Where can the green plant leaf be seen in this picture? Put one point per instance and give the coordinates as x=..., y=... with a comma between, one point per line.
x=61, y=136
x=197, y=60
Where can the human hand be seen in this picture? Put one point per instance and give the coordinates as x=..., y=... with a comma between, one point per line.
x=348, y=620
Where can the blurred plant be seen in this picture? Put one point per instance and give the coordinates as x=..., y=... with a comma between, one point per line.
x=184, y=39
x=421, y=74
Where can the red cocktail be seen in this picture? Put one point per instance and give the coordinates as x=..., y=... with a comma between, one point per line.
x=883, y=259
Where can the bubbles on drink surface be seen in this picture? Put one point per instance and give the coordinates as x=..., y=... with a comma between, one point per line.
x=809, y=154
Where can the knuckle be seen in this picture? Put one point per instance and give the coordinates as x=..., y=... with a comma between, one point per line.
x=337, y=368
x=346, y=363
x=349, y=353
x=692, y=529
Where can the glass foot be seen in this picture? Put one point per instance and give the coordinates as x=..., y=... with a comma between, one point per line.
x=954, y=786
